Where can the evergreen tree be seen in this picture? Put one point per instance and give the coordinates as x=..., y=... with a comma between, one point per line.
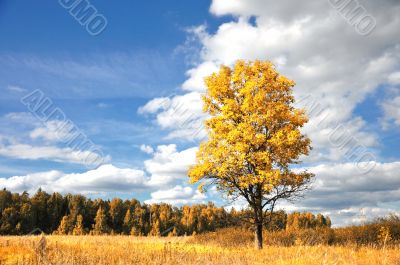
x=128, y=224
x=78, y=229
x=100, y=227
x=40, y=207
x=117, y=214
x=63, y=228
x=27, y=218
x=56, y=209
x=5, y=199
x=155, y=229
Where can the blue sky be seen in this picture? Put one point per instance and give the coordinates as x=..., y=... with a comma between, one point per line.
x=134, y=91
x=99, y=82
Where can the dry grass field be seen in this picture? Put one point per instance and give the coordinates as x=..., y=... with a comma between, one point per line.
x=176, y=250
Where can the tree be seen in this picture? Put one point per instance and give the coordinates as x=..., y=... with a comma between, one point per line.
x=5, y=199
x=63, y=228
x=138, y=220
x=253, y=138
x=55, y=210
x=100, y=227
x=155, y=228
x=40, y=207
x=78, y=228
x=8, y=221
x=128, y=222
x=117, y=214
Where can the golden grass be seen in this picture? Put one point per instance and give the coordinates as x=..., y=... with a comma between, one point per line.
x=173, y=250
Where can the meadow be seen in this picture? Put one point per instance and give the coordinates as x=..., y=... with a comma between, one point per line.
x=207, y=249
x=130, y=232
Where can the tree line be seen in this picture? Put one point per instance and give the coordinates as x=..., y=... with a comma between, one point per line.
x=76, y=214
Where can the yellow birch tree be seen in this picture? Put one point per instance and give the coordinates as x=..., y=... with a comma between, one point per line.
x=254, y=138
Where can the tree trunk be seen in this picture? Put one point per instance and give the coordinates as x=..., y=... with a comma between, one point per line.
x=258, y=219
x=258, y=237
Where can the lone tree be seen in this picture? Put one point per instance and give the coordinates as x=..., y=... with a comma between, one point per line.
x=253, y=138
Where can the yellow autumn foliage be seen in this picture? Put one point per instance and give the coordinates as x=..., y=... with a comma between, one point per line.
x=254, y=130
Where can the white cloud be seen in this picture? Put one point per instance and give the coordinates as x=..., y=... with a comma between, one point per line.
x=347, y=195
x=182, y=115
x=356, y=215
x=53, y=131
x=196, y=81
x=169, y=166
x=342, y=190
x=154, y=105
x=177, y=196
x=23, y=136
x=106, y=178
x=286, y=9
x=165, y=170
x=147, y=149
x=52, y=153
x=333, y=141
x=310, y=43
x=394, y=78
x=21, y=118
x=391, y=109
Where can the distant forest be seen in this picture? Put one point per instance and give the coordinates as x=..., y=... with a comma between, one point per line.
x=55, y=213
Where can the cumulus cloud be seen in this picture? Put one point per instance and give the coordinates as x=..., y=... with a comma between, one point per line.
x=348, y=196
x=333, y=141
x=178, y=195
x=341, y=189
x=181, y=115
x=334, y=67
x=162, y=173
x=169, y=165
x=107, y=178
x=311, y=43
x=196, y=80
x=356, y=215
